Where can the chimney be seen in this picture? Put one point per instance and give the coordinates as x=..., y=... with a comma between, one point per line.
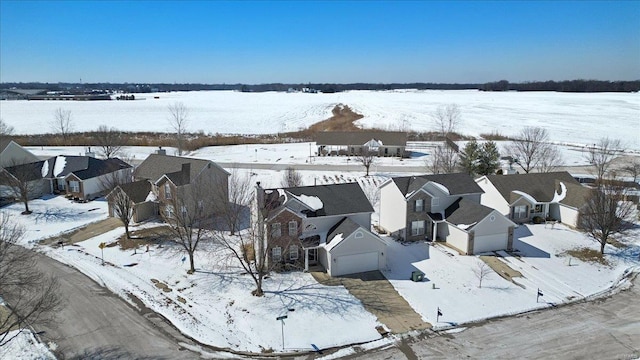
x=89, y=152
x=161, y=151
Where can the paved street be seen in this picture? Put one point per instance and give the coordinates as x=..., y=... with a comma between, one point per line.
x=96, y=324
x=603, y=329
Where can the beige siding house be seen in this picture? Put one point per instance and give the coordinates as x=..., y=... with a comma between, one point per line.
x=352, y=143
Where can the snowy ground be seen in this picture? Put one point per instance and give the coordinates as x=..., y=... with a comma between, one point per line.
x=218, y=308
x=25, y=347
x=542, y=262
x=575, y=118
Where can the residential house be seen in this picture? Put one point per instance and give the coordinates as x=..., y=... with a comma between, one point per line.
x=185, y=182
x=12, y=154
x=18, y=180
x=81, y=177
x=139, y=194
x=326, y=225
x=443, y=207
x=523, y=197
x=352, y=143
x=95, y=177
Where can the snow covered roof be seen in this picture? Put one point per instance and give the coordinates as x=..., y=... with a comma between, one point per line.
x=465, y=213
x=357, y=138
x=540, y=186
x=312, y=202
x=336, y=199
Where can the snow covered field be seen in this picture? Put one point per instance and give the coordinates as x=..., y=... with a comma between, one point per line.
x=575, y=118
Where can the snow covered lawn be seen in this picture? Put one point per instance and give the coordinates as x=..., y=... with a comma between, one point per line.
x=543, y=264
x=25, y=347
x=54, y=215
x=215, y=305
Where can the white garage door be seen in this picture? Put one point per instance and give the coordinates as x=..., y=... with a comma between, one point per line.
x=350, y=264
x=488, y=243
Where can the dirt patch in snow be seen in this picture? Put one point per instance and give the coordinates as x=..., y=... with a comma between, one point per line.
x=342, y=120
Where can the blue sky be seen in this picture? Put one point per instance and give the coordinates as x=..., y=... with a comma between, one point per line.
x=328, y=41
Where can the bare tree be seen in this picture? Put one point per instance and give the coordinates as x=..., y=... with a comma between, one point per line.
x=5, y=129
x=248, y=247
x=550, y=159
x=233, y=201
x=23, y=182
x=447, y=118
x=188, y=212
x=62, y=123
x=606, y=212
x=110, y=141
x=122, y=207
x=601, y=154
x=291, y=178
x=444, y=160
x=31, y=297
x=367, y=157
x=372, y=193
x=179, y=120
x=532, y=149
x=481, y=271
x=633, y=169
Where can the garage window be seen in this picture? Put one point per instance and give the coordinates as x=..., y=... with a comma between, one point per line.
x=293, y=252
x=276, y=253
x=417, y=227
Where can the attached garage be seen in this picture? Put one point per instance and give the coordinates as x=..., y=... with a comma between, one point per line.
x=352, y=249
x=488, y=243
x=351, y=264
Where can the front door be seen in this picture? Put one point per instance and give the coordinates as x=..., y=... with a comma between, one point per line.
x=313, y=256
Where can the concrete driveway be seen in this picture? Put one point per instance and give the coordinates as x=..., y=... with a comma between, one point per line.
x=86, y=232
x=379, y=298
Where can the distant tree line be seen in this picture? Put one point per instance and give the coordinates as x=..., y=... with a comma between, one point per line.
x=564, y=86
x=502, y=85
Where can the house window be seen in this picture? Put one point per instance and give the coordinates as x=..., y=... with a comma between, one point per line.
x=520, y=212
x=74, y=186
x=200, y=205
x=358, y=235
x=419, y=205
x=293, y=228
x=167, y=190
x=435, y=202
x=61, y=184
x=183, y=210
x=417, y=227
x=168, y=210
x=293, y=252
x=276, y=253
x=276, y=230
x=538, y=208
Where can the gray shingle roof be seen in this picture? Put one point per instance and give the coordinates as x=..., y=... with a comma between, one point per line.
x=26, y=172
x=576, y=196
x=464, y=211
x=97, y=167
x=539, y=185
x=337, y=199
x=388, y=138
x=155, y=165
x=457, y=184
x=137, y=191
x=345, y=227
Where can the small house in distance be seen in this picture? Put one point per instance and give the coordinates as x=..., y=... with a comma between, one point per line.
x=352, y=143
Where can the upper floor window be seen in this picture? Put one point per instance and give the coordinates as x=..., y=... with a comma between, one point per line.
x=419, y=205
x=276, y=230
x=167, y=190
x=293, y=228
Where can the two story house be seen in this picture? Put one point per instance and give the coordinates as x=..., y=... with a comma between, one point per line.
x=327, y=225
x=185, y=184
x=443, y=207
